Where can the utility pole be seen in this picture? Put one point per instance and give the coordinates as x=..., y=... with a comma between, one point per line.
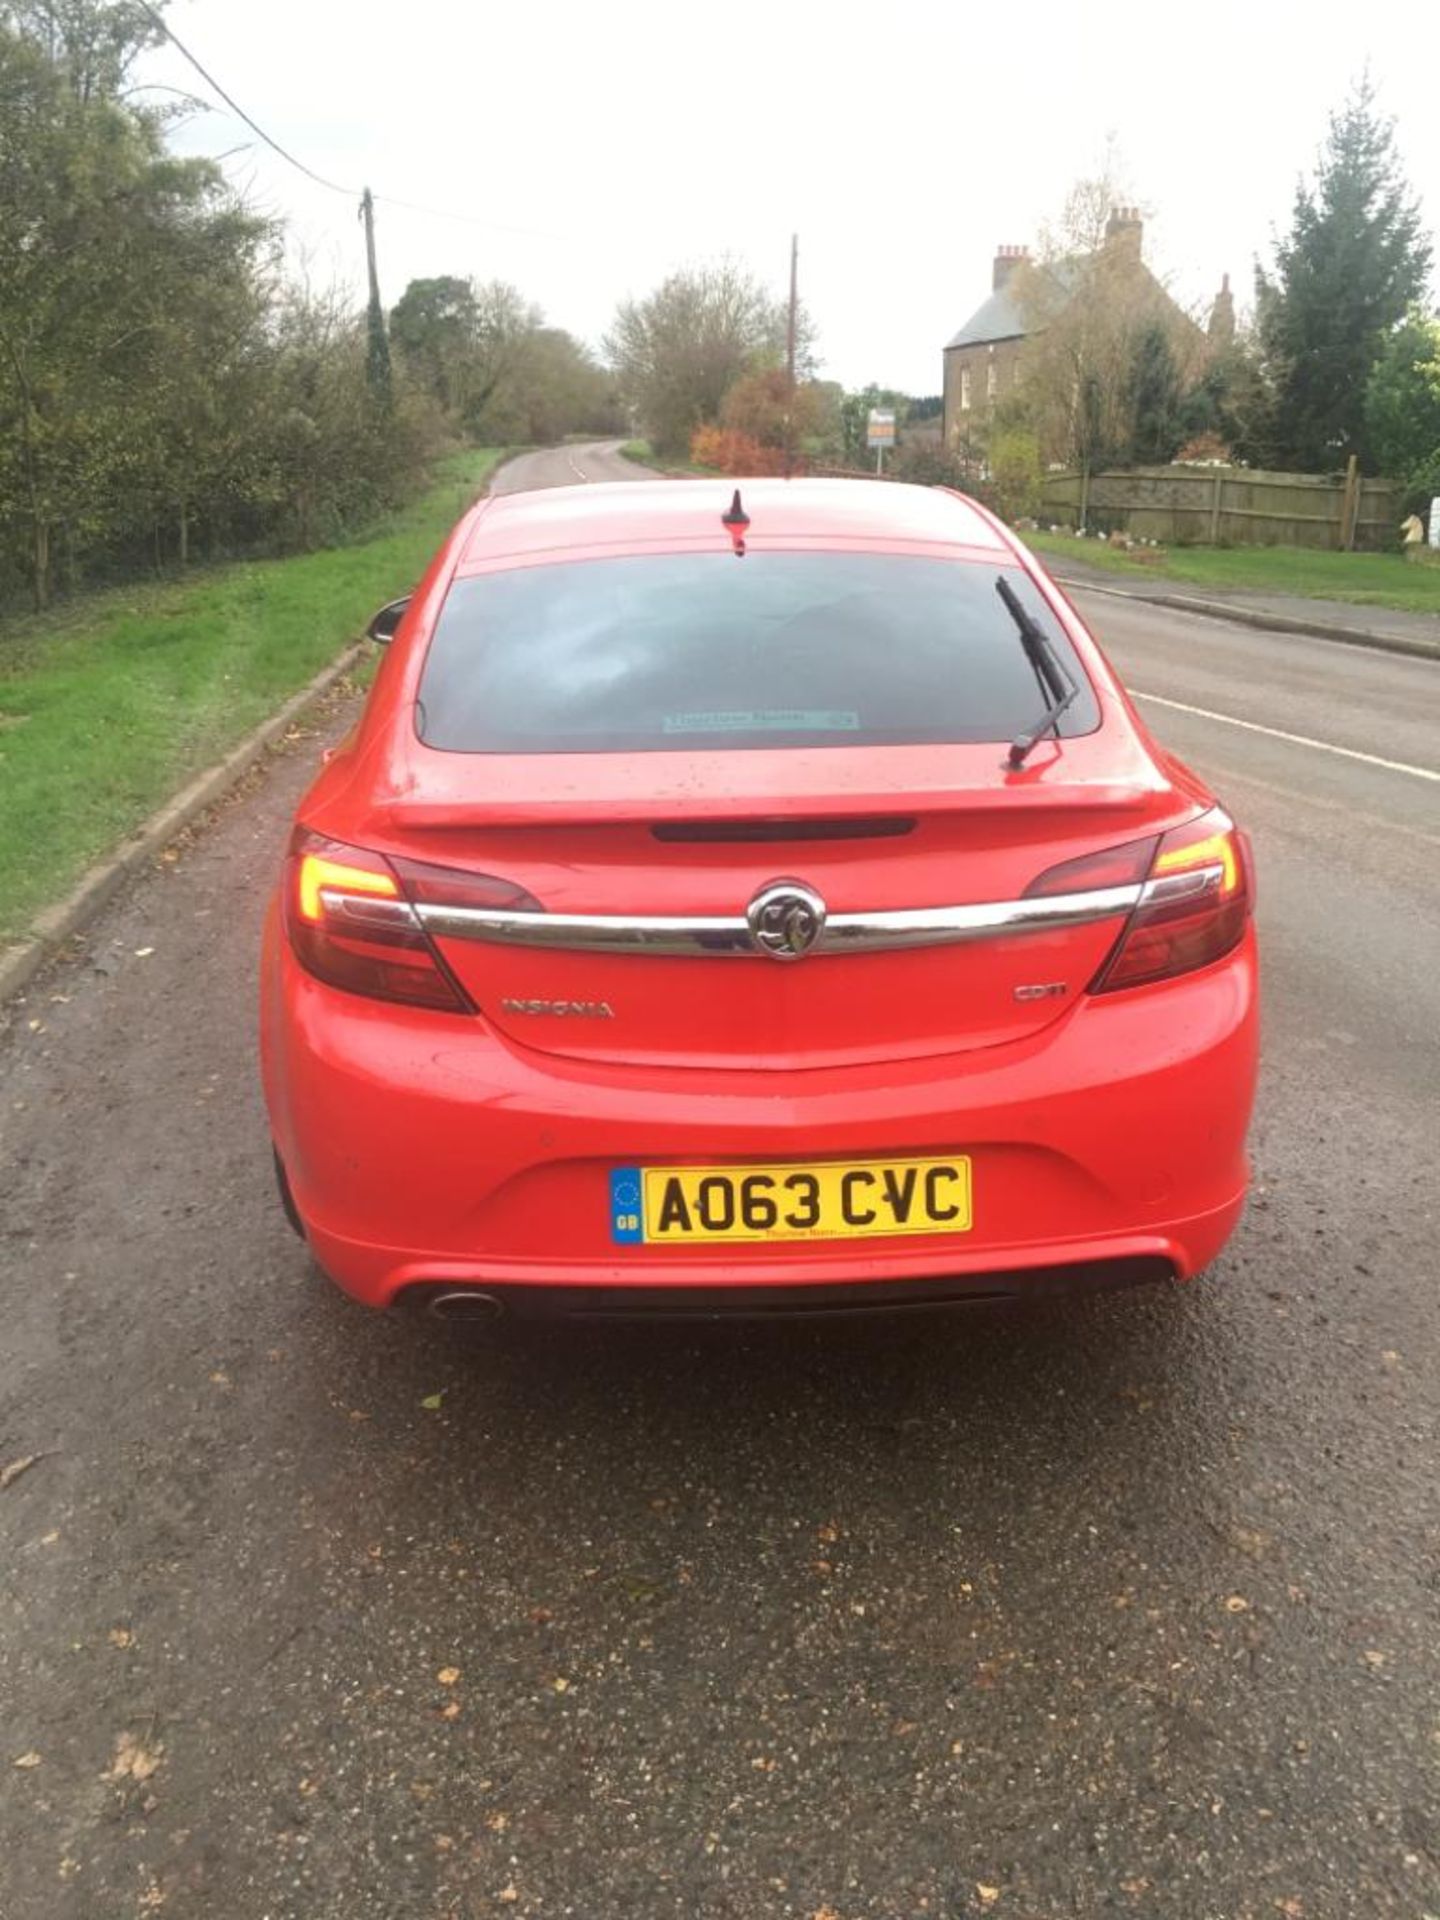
x=790, y=331
x=377, y=365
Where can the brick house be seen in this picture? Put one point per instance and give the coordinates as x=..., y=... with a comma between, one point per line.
x=983, y=360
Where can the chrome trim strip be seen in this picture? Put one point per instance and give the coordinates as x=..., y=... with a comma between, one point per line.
x=688, y=936
x=1191, y=883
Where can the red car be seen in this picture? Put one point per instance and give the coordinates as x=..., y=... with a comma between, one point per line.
x=753, y=900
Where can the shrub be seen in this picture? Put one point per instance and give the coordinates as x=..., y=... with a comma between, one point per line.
x=729, y=451
x=1015, y=474
x=926, y=462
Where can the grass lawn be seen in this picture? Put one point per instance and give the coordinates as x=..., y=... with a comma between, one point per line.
x=1362, y=579
x=110, y=704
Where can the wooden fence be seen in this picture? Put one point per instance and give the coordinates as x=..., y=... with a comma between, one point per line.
x=1226, y=506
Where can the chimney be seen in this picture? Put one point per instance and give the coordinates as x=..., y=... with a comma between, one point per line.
x=1125, y=229
x=1007, y=259
x=1221, y=328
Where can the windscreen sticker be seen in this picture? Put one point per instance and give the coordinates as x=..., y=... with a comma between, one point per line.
x=766, y=720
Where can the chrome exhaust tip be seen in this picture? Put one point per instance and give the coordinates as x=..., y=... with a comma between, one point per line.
x=467, y=1304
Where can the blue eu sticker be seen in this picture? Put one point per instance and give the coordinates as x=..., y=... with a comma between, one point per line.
x=627, y=1226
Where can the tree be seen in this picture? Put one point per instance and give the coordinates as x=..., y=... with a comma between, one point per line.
x=760, y=406
x=1107, y=354
x=159, y=385
x=433, y=327
x=1355, y=260
x=484, y=356
x=1402, y=409
x=1103, y=340
x=1156, y=398
x=677, y=353
x=108, y=245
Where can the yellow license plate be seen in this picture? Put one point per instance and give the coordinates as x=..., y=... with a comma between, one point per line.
x=830, y=1200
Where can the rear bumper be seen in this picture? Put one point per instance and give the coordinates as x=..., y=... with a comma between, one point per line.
x=821, y=1301
x=423, y=1151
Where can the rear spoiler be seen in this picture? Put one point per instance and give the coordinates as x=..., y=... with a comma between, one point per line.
x=1018, y=795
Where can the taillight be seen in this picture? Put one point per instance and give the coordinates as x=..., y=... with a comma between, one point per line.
x=1199, y=894
x=351, y=926
x=1122, y=866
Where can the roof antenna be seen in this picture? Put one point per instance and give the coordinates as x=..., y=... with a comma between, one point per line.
x=736, y=519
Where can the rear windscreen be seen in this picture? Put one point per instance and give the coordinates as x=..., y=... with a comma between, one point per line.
x=703, y=650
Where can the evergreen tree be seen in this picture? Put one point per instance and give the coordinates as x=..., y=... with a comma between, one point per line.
x=1402, y=409
x=1355, y=260
x=1156, y=397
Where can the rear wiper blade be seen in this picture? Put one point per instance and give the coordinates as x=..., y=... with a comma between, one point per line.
x=1056, y=682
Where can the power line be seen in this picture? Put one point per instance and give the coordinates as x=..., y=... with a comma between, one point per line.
x=235, y=107
x=351, y=193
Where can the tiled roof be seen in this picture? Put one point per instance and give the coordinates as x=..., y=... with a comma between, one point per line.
x=1000, y=317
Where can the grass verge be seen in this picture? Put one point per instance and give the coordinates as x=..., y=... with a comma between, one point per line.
x=1358, y=579
x=109, y=705
x=644, y=455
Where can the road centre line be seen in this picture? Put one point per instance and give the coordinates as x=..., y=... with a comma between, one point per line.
x=1295, y=739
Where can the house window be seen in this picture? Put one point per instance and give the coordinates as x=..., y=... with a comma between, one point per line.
x=992, y=380
x=965, y=389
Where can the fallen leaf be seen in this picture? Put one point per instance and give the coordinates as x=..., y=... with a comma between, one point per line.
x=121, y=1637
x=431, y=1402
x=988, y=1895
x=508, y=1894
x=451, y=1710
x=13, y=1469
x=560, y=1683
x=26, y=1761
x=1293, y=1909
x=1374, y=1657
x=447, y=1676
x=133, y=1760
x=497, y=1822
x=219, y=1379
x=1251, y=1540
x=825, y=1913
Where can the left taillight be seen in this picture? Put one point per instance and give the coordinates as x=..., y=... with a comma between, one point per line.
x=1197, y=899
x=351, y=925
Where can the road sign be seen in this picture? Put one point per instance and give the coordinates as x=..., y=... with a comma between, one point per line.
x=880, y=428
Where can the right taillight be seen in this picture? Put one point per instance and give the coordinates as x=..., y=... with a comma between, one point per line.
x=1196, y=900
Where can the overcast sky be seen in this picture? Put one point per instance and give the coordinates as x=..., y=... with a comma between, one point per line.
x=611, y=141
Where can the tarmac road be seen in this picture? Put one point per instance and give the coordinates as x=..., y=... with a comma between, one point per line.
x=1130, y=1607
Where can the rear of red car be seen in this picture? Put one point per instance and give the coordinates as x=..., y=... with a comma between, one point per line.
x=783, y=912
